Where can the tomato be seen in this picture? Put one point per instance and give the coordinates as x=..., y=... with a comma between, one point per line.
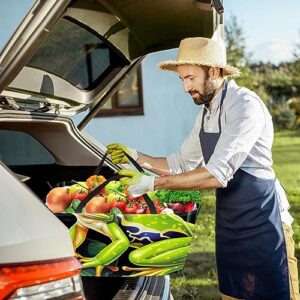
x=116, y=196
x=158, y=206
x=93, y=181
x=140, y=211
x=158, y=209
x=78, y=195
x=58, y=199
x=189, y=206
x=131, y=208
x=121, y=205
x=97, y=204
x=134, y=199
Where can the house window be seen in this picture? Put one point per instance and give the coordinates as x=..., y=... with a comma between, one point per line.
x=128, y=100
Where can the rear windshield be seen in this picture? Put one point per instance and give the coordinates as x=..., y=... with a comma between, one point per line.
x=77, y=55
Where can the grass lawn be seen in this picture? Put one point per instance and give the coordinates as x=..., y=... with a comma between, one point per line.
x=198, y=280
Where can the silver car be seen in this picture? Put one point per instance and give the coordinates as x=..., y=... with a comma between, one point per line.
x=65, y=58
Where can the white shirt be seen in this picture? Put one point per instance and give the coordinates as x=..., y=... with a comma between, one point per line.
x=245, y=142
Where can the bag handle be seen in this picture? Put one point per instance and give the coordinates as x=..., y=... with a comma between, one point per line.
x=146, y=197
x=96, y=190
x=100, y=166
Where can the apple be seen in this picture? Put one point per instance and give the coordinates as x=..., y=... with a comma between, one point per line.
x=97, y=204
x=80, y=187
x=113, y=186
x=115, y=196
x=58, y=199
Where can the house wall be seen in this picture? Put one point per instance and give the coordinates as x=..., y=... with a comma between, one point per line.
x=169, y=113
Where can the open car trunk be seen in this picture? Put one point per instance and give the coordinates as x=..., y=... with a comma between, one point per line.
x=75, y=160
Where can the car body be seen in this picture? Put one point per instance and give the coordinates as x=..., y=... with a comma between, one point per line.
x=68, y=57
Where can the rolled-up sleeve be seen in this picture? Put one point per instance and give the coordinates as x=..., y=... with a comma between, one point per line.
x=189, y=156
x=245, y=121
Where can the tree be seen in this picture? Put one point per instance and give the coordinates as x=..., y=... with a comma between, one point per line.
x=235, y=43
x=294, y=67
x=237, y=56
x=296, y=52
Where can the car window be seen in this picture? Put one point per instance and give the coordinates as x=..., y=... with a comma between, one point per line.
x=18, y=148
x=11, y=14
x=76, y=54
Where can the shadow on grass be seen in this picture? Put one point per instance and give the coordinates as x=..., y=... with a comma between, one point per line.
x=281, y=151
x=198, y=280
x=287, y=133
x=201, y=265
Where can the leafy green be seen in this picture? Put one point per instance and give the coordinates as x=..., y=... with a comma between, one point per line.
x=179, y=196
x=71, y=209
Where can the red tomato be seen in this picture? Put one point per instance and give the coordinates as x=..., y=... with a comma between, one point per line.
x=58, y=199
x=131, y=208
x=156, y=202
x=140, y=211
x=189, y=206
x=157, y=208
x=97, y=204
x=119, y=204
x=134, y=199
x=78, y=195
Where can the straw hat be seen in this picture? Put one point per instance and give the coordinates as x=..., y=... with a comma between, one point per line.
x=201, y=52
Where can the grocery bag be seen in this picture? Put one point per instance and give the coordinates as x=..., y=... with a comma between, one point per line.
x=152, y=242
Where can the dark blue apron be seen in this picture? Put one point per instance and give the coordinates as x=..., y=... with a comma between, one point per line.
x=250, y=247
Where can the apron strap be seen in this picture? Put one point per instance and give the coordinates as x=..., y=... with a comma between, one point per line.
x=224, y=91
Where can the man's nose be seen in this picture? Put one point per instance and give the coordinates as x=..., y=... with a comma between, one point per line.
x=186, y=86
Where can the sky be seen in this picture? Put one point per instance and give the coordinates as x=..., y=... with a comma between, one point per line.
x=271, y=27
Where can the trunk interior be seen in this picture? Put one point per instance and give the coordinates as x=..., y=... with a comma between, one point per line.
x=66, y=168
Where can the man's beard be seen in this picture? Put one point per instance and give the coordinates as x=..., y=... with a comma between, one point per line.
x=206, y=96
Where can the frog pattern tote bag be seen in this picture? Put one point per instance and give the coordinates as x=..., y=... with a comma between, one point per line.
x=115, y=234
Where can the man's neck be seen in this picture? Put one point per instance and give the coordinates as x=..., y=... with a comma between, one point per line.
x=218, y=89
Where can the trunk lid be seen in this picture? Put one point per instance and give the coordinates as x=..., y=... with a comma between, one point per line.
x=70, y=56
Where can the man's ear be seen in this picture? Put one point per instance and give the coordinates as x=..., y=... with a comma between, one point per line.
x=214, y=72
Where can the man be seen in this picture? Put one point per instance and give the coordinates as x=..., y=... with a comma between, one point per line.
x=233, y=136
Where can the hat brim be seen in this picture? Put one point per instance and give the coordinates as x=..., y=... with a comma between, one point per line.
x=172, y=66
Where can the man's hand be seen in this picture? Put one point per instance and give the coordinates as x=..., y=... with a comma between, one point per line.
x=117, y=153
x=138, y=183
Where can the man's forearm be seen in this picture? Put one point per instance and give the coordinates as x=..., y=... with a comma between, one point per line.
x=197, y=179
x=157, y=165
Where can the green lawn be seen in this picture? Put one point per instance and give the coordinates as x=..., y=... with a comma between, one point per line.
x=198, y=280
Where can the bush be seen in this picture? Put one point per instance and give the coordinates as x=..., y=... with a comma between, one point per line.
x=283, y=117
